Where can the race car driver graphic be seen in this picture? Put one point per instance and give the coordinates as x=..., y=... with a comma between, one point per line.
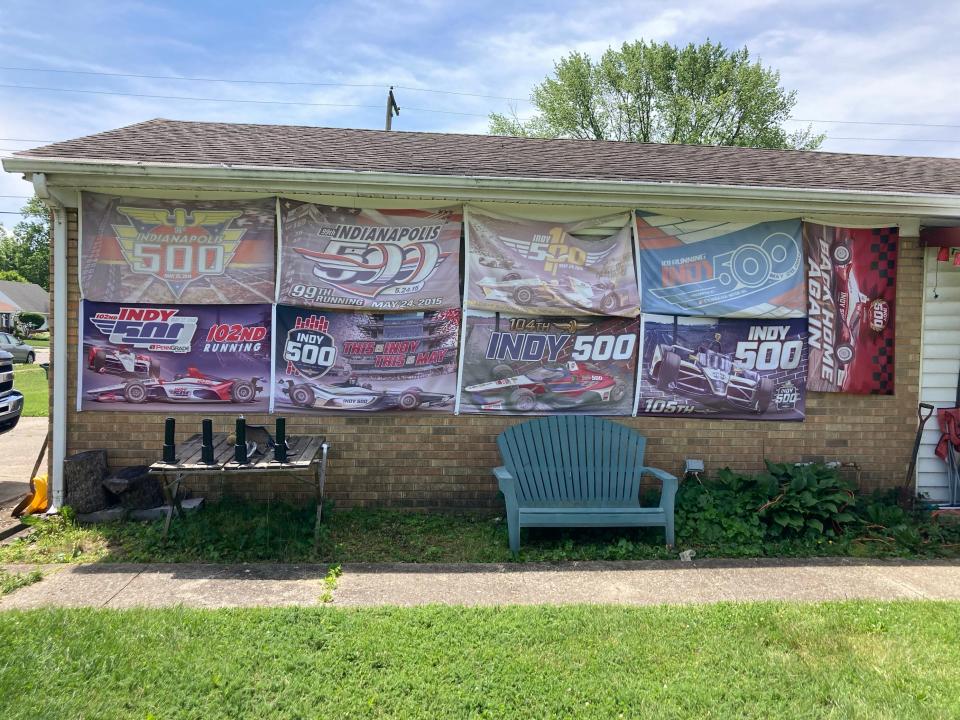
x=566, y=384
x=193, y=386
x=710, y=376
x=854, y=308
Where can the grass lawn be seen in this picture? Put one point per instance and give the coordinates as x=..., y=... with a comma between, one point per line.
x=768, y=660
x=39, y=341
x=236, y=531
x=10, y=581
x=31, y=380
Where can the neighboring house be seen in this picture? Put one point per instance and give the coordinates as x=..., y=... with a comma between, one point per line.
x=18, y=297
x=445, y=460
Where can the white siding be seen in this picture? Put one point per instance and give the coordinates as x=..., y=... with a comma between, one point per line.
x=940, y=364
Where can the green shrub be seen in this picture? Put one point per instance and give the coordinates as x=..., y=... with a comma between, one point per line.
x=805, y=501
x=785, y=502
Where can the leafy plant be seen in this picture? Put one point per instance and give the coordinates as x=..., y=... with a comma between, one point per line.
x=805, y=500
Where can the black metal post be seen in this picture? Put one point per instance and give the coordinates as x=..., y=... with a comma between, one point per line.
x=206, y=449
x=240, y=449
x=280, y=448
x=169, y=448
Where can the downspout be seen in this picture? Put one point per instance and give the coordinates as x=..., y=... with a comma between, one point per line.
x=58, y=416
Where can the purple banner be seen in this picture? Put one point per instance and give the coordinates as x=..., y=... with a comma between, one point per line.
x=337, y=257
x=343, y=361
x=728, y=368
x=533, y=366
x=535, y=267
x=142, y=250
x=150, y=357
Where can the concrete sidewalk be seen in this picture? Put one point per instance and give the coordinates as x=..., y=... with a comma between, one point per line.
x=628, y=583
x=18, y=450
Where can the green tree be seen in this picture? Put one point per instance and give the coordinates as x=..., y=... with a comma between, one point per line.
x=657, y=92
x=26, y=250
x=11, y=275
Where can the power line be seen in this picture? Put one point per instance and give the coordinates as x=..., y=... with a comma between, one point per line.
x=876, y=122
x=879, y=139
x=229, y=100
x=302, y=83
x=25, y=140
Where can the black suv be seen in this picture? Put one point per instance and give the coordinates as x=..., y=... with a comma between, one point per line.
x=11, y=401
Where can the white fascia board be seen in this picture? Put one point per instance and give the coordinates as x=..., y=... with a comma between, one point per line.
x=76, y=174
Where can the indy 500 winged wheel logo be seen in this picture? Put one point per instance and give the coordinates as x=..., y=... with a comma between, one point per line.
x=368, y=270
x=556, y=253
x=178, y=246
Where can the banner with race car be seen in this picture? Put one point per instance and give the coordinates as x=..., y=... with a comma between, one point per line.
x=521, y=365
x=723, y=368
x=142, y=250
x=851, y=297
x=394, y=260
x=720, y=269
x=157, y=358
x=536, y=267
x=335, y=361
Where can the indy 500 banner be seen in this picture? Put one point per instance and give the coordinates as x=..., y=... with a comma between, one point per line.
x=542, y=365
x=720, y=269
x=152, y=358
x=339, y=361
x=727, y=368
x=535, y=267
x=852, y=288
x=140, y=250
x=336, y=257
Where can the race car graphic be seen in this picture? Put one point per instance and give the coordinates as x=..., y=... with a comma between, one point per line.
x=710, y=376
x=568, y=291
x=350, y=395
x=193, y=386
x=570, y=384
x=853, y=307
x=122, y=361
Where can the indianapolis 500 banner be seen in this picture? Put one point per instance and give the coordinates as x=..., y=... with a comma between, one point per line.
x=720, y=269
x=536, y=267
x=142, y=250
x=200, y=358
x=539, y=365
x=340, y=361
x=728, y=368
x=852, y=288
x=338, y=257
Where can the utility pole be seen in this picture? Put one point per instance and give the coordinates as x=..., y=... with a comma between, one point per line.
x=392, y=108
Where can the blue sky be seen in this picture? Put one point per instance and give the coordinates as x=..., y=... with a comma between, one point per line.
x=849, y=60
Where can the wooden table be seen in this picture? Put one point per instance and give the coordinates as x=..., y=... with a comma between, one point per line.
x=303, y=454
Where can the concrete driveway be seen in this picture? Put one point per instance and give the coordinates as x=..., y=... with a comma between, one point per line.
x=19, y=449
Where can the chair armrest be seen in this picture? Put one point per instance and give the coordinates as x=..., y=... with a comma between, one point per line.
x=504, y=479
x=670, y=485
x=661, y=475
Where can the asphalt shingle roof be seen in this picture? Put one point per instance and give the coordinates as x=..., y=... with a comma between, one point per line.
x=26, y=296
x=317, y=148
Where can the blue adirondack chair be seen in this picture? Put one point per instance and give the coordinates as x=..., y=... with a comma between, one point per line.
x=578, y=471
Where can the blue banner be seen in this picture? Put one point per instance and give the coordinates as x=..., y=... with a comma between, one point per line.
x=719, y=268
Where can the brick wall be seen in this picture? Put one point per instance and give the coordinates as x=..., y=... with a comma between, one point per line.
x=433, y=461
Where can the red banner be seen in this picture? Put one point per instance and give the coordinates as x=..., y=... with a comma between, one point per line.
x=851, y=296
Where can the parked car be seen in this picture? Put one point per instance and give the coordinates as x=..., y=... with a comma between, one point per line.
x=20, y=350
x=11, y=401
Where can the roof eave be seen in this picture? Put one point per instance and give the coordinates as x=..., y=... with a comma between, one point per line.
x=73, y=173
